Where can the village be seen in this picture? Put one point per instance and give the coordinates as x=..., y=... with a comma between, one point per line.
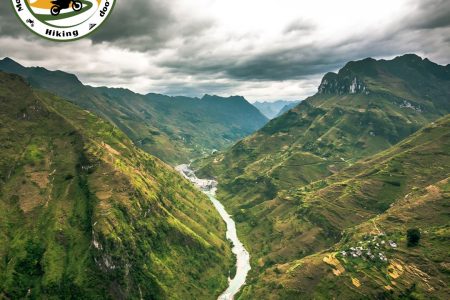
x=372, y=248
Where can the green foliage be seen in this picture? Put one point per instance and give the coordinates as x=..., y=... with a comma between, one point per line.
x=84, y=214
x=417, y=201
x=340, y=158
x=413, y=237
x=175, y=129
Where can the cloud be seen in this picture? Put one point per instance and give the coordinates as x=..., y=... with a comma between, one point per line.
x=299, y=25
x=280, y=64
x=431, y=14
x=9, y=22
x=286, y=62
x=294, y=55
x=264, y=50
x=147, y=25
x=137, y=24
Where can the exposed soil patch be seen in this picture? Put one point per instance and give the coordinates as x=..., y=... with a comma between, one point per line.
x=30, y=197
x=334, y=262
x=40, y=178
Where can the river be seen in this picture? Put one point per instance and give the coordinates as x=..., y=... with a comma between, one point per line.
x=242, y=256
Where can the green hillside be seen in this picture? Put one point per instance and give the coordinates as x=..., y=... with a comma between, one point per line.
x=84, y=214
x=303, y=183
x=175, y=129
x=355, y=114
x=311, y=233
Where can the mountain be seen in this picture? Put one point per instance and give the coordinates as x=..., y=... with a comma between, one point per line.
x=366, y=108
x=345, y=237
x=85, y=214
x=273, y=109
x=175, y=129
x=286, y=108
x=297, y=185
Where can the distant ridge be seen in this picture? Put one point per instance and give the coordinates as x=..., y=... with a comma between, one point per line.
x=176, y=131
x=273, y=109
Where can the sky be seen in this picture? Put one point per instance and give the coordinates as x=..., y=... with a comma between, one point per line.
x=264, y=50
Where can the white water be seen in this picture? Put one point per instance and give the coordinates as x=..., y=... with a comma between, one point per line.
x=242, y=256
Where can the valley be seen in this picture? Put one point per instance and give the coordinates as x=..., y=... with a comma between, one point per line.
x=174, y=129
x=317, y=203
x=302, y=186
x=242, y=257
x=86, y=214
x=224, y=150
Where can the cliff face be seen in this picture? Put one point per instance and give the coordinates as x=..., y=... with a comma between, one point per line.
x=340, y=84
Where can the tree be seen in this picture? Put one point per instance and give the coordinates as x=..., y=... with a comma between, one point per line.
x=413, y=237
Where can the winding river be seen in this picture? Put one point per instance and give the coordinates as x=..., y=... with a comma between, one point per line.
x=242, y=256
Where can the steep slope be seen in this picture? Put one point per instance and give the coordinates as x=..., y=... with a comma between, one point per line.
x=84, y=214
x=366, y=108
x=295, y=185
x=175, y=129
x=273, y=109
x=345, y=236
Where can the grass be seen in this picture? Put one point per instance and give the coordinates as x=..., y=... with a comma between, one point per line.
x=418, y=198
x=84, y=214
x=332, y=163
x=174, y=129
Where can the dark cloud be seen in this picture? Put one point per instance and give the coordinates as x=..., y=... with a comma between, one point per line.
x=10, y=25
x=281, y=64
x=146, y=25
x=431, y=14
x=136, y=22
x=285, y=64
x=421, y=31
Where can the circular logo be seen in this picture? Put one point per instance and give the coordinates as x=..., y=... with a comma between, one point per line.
x=63, y=20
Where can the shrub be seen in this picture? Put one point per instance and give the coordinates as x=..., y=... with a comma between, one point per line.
x=68, y=177
x=413, y=237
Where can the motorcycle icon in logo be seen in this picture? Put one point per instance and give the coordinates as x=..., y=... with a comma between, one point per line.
x=58, y=5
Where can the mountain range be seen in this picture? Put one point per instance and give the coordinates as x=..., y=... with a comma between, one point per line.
x=334, y=173
x=175, y=129
x=343, y=196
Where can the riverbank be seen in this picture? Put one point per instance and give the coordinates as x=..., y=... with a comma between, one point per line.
x=242, y=256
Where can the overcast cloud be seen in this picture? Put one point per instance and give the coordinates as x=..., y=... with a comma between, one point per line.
x=261, y=49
